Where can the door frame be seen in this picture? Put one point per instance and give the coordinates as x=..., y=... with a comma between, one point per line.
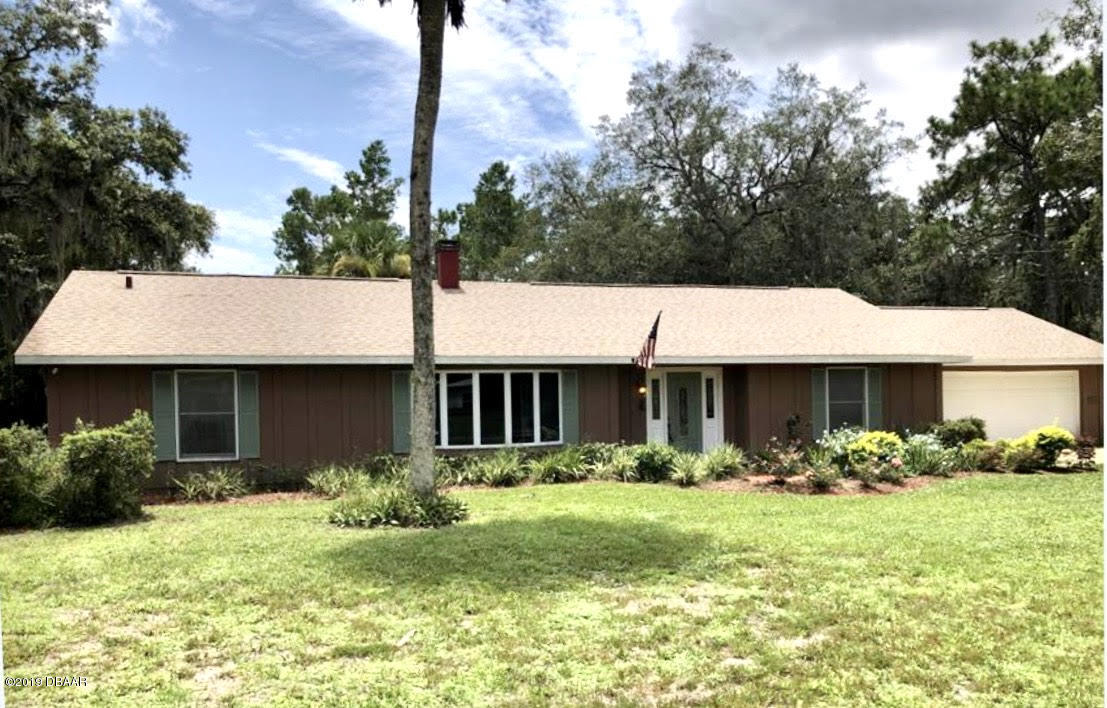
x=657, y=430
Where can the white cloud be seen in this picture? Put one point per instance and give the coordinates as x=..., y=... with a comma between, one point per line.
x=322, y=167
x=136, y=19
x=230, y=259
x=245, y=229
x=512, y=71
x=225, y=9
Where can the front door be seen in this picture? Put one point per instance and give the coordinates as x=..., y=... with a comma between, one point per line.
x=685, y=409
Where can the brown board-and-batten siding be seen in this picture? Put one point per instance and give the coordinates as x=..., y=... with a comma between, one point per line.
x=611, y=407
x=912, y=396
x=306, y=414
x=759, y=399
x=101, y=395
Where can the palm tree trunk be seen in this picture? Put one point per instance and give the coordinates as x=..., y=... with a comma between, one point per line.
x=432, y=26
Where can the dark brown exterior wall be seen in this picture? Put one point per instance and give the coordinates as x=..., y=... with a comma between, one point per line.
x=306, y=413
x=611, y=409
x=912, y=396
x=310, y=414
x=760, y=398
x=103, y=395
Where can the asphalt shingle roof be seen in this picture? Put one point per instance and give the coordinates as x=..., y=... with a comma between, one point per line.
x=223, y=319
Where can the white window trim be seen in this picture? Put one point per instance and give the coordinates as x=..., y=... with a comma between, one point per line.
x=826, y=393
x=477, y=445
x=177, y=417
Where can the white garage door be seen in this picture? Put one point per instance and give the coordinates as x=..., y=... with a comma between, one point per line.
x=1013, y=402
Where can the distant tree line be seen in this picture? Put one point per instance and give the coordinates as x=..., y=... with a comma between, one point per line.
x=710, y=178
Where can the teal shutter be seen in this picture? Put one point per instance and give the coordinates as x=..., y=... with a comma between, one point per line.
x=165, y=416
x=570, y=413
x=818, y=402
x=249, y=428
x=401, y=411
x=876, y=397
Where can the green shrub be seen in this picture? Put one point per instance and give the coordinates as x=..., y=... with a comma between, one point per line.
x=104, y=468
x=654, y=461
x=388, y=468
x=593, y=454
x=565, y=465
x=823, y=476
x=780, y=460
x=27, y=468
x=1049, y=441
x=216, y=484
x=724, y=462
x=953, y=433
x=836, y=444
x=688, y=469
x=890, y=471
x=396, y=505
x=875, y=446
x=981, y=455
x=621, y=466
x=924, y=455
x=334, y=481
x=865, y=472
x=504, y=468
x=1022, y=457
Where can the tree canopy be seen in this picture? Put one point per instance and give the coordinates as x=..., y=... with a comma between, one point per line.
x=81, y=185
x=711, y=178
x=346, y=231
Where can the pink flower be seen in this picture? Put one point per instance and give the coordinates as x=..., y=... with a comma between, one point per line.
x=896, y=462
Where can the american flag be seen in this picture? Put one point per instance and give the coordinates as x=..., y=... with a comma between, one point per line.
x=645, y=357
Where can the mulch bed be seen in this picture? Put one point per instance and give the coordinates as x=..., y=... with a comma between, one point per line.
x=156, y=498
x=799, y=485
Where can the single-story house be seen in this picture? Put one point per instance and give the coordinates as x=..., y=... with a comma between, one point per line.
x=285, y=371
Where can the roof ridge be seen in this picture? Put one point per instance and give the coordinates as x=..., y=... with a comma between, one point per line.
x=939, y=307
x=274, y=276
x=662, y=285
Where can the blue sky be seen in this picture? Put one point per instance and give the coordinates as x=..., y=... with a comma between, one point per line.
x=275, y=95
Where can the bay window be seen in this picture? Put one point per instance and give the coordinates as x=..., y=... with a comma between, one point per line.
x=495, y=408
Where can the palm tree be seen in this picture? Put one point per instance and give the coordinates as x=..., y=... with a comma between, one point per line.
x=432, y=16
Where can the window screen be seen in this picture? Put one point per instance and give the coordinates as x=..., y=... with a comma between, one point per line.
x=549, y=407
x=206, y=415
x=493, y=422
x=709, y=393
x=845, y=389
x=522, y=407
x=459, y=409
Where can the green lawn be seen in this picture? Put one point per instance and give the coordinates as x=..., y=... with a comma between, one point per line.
x=981, y=590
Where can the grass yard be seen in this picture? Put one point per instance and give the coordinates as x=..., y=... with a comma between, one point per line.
x=980, y=590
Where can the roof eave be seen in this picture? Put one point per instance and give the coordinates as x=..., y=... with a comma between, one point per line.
x=447, y=360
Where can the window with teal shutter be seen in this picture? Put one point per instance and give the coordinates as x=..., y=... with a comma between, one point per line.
x=876, y=398
x=249, y=427
x=570, y=413
x=165, y=416
x=818, y=402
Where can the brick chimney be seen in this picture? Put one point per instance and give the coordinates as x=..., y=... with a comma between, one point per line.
x=447, y=255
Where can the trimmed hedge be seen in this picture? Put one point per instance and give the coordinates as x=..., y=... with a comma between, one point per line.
x=93, y=477
x=104, y=468
x=27, y=465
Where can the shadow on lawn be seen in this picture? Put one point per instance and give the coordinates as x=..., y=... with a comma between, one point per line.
x=532, y=554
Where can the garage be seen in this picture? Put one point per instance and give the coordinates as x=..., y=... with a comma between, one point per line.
x=1013, y=402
